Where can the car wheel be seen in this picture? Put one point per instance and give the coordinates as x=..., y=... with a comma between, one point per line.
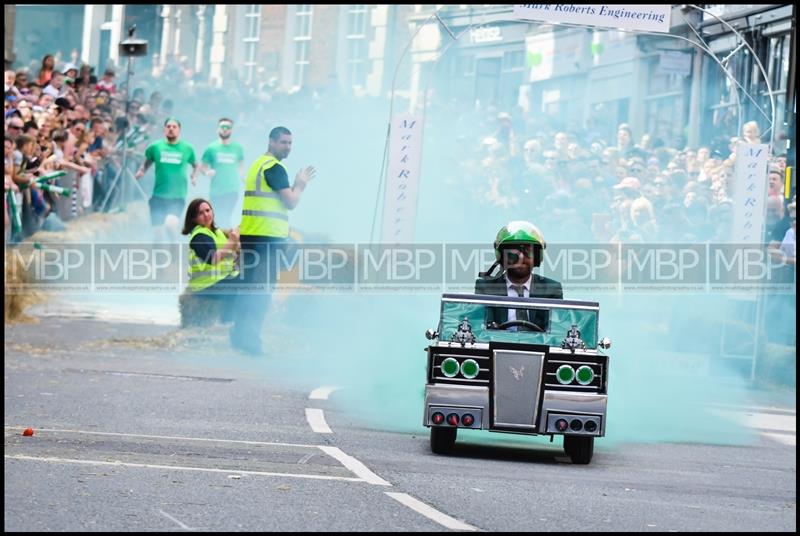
x=443, y=439
x=579, y=448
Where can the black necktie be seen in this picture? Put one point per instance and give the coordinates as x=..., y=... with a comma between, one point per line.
x=522, y=314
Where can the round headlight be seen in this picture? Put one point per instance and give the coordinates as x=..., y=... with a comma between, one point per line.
x=585, y=375
x=470, y=369
x=565, y=374
x=450, y=367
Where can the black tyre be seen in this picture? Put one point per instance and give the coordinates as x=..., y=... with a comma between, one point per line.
x=443, y=439
x=579, y=448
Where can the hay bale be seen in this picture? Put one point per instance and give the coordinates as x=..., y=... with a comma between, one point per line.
x=89, y=229
x=199, y=309
x=17, y=297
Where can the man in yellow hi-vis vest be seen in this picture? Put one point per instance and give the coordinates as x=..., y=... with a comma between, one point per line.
x=263, y=231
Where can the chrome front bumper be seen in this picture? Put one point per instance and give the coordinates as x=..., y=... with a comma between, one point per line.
x=439, y=397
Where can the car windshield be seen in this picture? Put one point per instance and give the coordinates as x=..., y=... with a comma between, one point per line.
x=553, y=318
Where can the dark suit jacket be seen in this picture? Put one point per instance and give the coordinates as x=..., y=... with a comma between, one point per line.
x=542, y=287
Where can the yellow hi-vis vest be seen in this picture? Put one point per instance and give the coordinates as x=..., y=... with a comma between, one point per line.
x=202, y=274
x=263, y=211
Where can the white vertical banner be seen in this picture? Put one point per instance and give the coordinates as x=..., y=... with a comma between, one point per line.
x=402, y=181
x=749, y=193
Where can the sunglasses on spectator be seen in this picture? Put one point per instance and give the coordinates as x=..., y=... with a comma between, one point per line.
x=226, y=127
x=16, y=127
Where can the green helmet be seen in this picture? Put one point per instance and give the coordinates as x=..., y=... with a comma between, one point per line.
x=518, y=232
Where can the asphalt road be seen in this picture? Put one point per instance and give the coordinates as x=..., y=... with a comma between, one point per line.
x=140, y=428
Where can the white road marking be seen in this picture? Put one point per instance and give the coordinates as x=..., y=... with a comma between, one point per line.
x=751, y=409
x=177, y=467
x=164, y=437
x=316, y=419
x=771, y=422
x=305, y=458
x=429, y=512
x=777, y=426
x=354, y=465
x=185, y=527
x=321, y=393
x=786, y=439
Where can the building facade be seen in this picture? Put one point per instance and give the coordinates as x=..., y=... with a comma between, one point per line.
x=479, y=55
x=665, y=85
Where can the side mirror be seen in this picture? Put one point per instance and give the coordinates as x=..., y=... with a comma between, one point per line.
x=431, y=334
x=604, y=343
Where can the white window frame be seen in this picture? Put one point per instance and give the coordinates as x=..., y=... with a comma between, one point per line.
x=304, y=13
x=252, y=16
x=357, y=41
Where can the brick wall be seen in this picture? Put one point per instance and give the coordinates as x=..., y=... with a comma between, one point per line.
x=322, y=54
x=273, y=36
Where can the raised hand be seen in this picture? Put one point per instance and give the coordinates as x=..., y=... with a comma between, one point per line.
x=304, y=176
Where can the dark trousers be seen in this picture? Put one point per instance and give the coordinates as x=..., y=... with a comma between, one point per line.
x=258, y=272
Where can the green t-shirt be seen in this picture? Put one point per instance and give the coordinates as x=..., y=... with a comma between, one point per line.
x=224, y=160
x=171, y=161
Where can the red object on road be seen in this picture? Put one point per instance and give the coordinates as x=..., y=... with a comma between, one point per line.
x=28, y=432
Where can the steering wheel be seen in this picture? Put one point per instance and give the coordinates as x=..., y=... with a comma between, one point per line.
x=520, y=323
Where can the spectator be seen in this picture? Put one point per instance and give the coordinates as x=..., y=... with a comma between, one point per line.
x=107, y=82
x=643, y=221
x=10, y=87
x=46, y=70
x=505, y=133
x=21, y=82
x=624, y=139
x=775, y=178
x=56, y=87
x=751, y=133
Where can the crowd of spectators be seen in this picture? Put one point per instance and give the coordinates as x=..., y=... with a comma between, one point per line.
x=62, y=117
x=574, y=182
x=583, y=188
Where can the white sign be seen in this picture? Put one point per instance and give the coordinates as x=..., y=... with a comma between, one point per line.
x=750, y=192
x=485, y=34
x=646, y=17
x=402, y=182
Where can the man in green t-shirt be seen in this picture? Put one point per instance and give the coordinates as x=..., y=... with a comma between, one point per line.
x=171, y=157
x=223, y=162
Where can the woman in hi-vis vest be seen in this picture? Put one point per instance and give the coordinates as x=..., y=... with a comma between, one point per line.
x=212, y=254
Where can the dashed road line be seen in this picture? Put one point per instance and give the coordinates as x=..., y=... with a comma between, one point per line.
x=322, y=393
x=316, y=419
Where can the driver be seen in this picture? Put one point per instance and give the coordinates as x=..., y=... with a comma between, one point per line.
x=518, y=250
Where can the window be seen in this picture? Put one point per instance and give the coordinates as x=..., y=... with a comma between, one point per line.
x=357, y=47
x=252, y=29
x=514, y=60
x=778, y=70
x=302, y=39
